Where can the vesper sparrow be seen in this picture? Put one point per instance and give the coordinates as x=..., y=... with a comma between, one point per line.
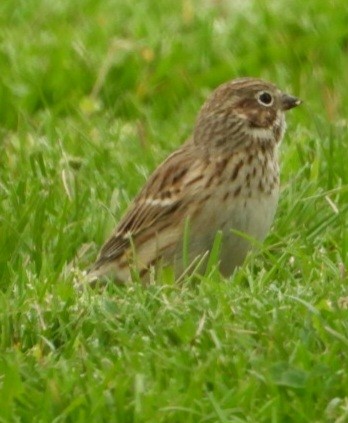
x=224, y=178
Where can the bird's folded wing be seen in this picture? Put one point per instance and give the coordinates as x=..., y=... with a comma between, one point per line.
x=157, y=206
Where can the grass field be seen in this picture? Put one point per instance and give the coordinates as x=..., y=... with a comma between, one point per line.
x=93, y=95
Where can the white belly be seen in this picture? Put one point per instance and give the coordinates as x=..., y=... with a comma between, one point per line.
x=247, y=204
x=252, y=219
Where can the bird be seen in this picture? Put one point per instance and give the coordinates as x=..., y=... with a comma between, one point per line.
x=224, y=179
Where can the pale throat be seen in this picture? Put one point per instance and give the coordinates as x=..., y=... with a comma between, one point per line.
x=274, y=132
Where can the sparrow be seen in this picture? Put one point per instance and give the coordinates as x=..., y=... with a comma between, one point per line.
x=223, y=179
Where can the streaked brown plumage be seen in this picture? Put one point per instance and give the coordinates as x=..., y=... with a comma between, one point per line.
x=224, y=178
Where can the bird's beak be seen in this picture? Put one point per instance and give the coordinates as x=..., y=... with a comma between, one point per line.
x=289, y=101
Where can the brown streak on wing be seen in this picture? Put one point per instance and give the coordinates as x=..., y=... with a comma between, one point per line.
x=142, y=215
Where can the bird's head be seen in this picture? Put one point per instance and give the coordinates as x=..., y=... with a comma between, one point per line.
x=244, y=111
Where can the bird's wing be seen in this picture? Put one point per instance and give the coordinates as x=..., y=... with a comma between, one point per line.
x=157, y=205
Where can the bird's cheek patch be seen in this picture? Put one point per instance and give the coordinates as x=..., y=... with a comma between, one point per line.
x=261, y=118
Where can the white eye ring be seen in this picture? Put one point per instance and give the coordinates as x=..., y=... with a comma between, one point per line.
x=265, y=98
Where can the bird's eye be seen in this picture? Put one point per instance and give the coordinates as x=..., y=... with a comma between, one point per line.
x=265, y=98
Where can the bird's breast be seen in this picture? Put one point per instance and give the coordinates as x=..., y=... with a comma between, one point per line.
x=251, y=198
x=242, y=206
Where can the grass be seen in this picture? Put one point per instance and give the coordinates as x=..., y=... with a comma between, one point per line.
x=93, y=96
